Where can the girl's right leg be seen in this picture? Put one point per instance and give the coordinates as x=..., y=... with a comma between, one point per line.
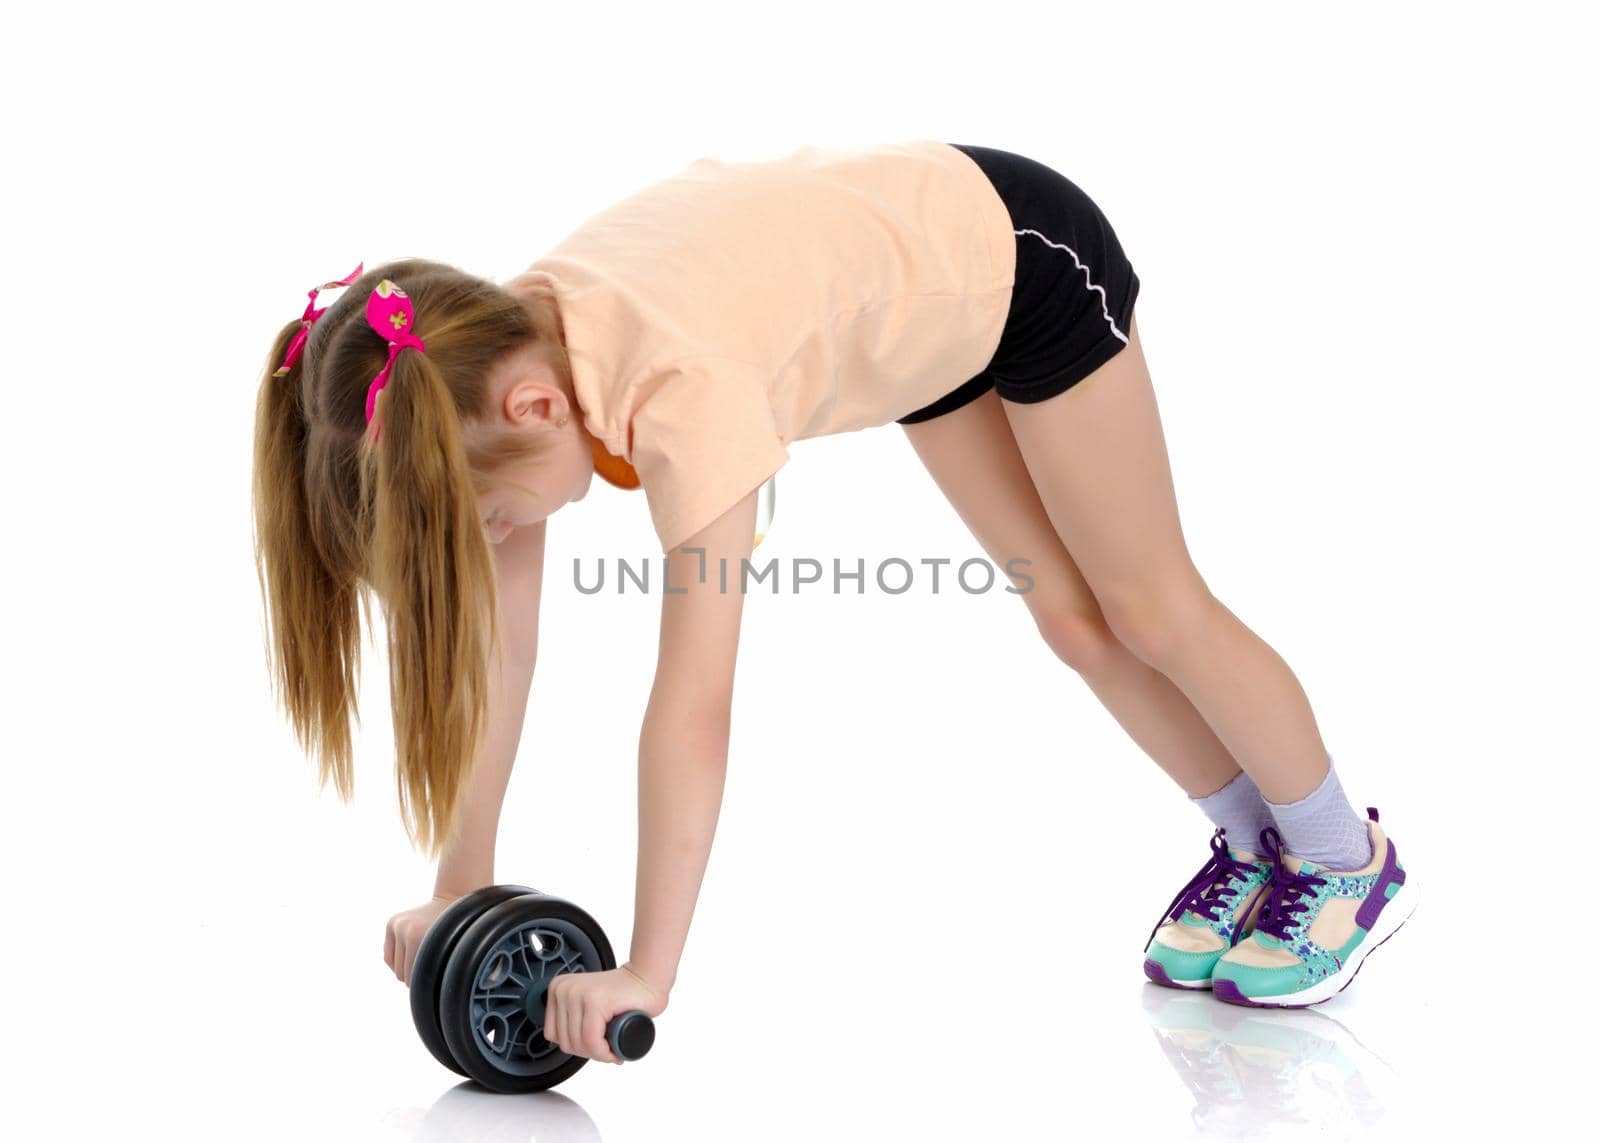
x=973, y=457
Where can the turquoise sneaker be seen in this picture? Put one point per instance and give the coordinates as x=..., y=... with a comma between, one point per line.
x=1316, y=926
x=1207, y=917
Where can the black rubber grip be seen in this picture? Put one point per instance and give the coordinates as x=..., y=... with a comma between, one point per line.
x=630, y=1034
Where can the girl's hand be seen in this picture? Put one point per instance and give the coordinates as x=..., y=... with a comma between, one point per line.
x=579, y=1005
x=404, y=933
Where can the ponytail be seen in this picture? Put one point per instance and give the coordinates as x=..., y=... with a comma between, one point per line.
x=310, y=609
x=342, y=516
x=434, y=576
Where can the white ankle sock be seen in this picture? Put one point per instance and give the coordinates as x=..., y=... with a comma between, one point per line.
x=1240, y=810
x=1323, y=827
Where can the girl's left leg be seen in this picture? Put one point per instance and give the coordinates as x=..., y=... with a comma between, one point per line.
x=972, y=457
x=1099, y=461
x=1098, y=457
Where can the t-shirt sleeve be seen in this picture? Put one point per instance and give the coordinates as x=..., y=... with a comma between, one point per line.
x=704, y=435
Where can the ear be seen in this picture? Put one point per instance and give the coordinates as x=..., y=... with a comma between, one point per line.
x=534, y=404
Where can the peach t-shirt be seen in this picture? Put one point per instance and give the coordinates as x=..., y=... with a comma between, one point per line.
x=732, y=308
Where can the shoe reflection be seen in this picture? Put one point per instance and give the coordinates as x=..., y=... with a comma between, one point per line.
x=469, y=1114
x=1260, y=1073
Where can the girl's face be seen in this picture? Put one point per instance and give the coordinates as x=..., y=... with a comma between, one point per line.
x=525, y=398
x=529, y=491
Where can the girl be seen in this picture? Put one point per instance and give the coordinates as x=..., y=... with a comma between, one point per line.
x=415, y=437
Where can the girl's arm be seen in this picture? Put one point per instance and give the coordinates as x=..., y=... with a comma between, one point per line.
x=683, y=747
x=683, y=754
x=467, y=860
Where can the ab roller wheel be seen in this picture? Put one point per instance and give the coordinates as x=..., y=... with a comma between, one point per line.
x=428, y=967
x=479, y=980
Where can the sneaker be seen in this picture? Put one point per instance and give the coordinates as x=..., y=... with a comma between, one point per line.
x=1316, y=926
x=1207, y=917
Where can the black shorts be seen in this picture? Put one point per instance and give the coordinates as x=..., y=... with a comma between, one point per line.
x=1074, y=288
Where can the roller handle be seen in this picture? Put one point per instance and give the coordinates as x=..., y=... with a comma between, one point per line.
x=630, y=1034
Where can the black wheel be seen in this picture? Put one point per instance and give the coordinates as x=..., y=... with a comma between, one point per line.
x=427, y=969
x=491, y=1001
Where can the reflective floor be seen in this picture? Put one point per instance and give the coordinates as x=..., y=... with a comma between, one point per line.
x=1246, y=1074
x=231, y=1036
x=1264, y=1073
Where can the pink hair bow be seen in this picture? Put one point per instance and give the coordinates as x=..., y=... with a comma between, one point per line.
x=389, y=312
x=307, y=319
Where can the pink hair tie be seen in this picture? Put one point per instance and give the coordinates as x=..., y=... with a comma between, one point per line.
x=307, y=319
x=389, y=312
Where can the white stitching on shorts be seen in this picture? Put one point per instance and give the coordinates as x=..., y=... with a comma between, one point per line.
x=1103, y=307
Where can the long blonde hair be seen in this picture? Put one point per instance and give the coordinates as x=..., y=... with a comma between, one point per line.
x=340, y=517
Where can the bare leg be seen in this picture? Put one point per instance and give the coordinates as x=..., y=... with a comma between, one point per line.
x=1097, y=456
x=973, y=457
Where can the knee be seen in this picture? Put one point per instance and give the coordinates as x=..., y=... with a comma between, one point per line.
x=1165, y=626
x=1079, y=638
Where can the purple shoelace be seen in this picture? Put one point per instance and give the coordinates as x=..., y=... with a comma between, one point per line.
x=1286, y=892
x=1206, y=891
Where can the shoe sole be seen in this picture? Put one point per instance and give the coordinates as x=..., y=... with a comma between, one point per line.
x=1395, y=914
x=1155, y=972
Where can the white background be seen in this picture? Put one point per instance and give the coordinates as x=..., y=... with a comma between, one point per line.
x=1367, y=242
